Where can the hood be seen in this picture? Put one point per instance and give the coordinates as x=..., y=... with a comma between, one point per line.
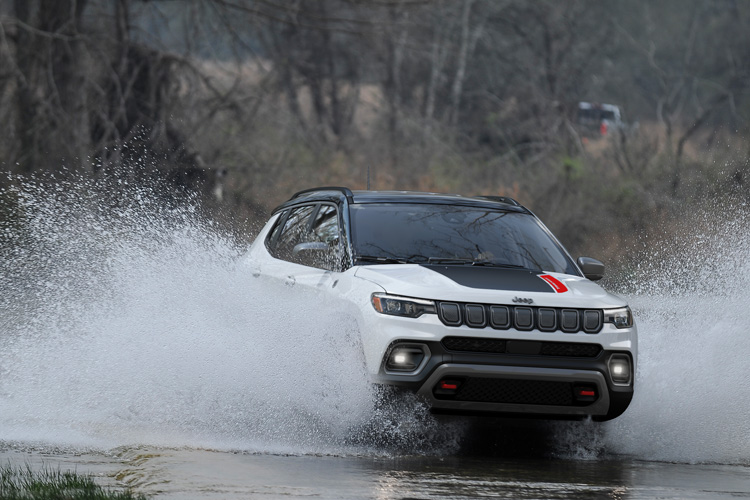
x=488, y=285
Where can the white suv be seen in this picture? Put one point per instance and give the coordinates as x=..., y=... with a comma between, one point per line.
x=468, y=301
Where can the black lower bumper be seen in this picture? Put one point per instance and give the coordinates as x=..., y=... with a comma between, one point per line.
x=516, y=384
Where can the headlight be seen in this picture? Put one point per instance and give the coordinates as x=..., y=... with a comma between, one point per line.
x=621, y=318
x=401, y=306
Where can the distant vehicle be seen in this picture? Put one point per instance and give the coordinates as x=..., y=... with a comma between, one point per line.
x=599, y=118
x=470, y=302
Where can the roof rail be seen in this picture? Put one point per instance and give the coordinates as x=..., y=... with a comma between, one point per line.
x=501, y=199
x=346, y=191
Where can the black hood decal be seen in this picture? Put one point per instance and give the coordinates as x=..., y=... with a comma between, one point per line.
x=493, y=278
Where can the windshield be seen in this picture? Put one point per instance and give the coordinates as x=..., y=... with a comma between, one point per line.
x=449, y=234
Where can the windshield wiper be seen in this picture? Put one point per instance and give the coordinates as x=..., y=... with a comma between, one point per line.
x=418, y=259
x=381, y=260
x=448, y=260
x=470, y=262
x=495, y=264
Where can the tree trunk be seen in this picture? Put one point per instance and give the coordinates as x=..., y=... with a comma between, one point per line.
x=27, y=81
x=463, y=54
x=437, y=60
x=393, y=82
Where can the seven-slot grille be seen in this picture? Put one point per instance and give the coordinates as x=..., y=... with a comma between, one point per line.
x=524, y=318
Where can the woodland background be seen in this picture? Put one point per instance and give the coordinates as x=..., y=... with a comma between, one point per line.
x=240, y=103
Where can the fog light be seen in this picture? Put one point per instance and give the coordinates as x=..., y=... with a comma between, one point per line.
x=406, y=358
x=401, y=358
x=619, y=369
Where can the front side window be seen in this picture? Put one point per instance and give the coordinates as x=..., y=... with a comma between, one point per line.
x=294, y=232
x=325, y=227
x=309, y=236
x=449, y=234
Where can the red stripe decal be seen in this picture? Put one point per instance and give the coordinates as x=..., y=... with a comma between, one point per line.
x=555, y=283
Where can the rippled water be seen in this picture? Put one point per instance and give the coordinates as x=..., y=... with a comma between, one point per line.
x=130, y=326
x=190, y=473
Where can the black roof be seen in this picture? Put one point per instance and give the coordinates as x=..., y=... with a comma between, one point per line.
x=336, y=194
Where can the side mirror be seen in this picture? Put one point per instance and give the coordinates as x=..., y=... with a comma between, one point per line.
x=311, y=254
x=309, y=247
x=592, y=268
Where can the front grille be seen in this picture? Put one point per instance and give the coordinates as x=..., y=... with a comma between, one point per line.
x=502, y=346
x=570, y=350
x=498, y=390
x=524, y=318
x=472, y=344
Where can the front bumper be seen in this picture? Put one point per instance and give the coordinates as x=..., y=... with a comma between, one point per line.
x=537, y=399
x=516, y=383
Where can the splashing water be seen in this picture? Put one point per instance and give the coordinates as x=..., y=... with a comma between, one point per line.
x=692, y=392
x=130, y=323
x=125, y=322
x=693, y=386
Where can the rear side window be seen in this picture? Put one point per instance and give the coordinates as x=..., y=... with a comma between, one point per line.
x=276, y=231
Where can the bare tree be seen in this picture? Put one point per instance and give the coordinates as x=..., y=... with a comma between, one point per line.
x=690, y=87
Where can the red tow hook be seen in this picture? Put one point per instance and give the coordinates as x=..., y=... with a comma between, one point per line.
x=447, y=387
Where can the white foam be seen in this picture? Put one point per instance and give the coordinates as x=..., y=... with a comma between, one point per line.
x=138, y=326
x=692, y=397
